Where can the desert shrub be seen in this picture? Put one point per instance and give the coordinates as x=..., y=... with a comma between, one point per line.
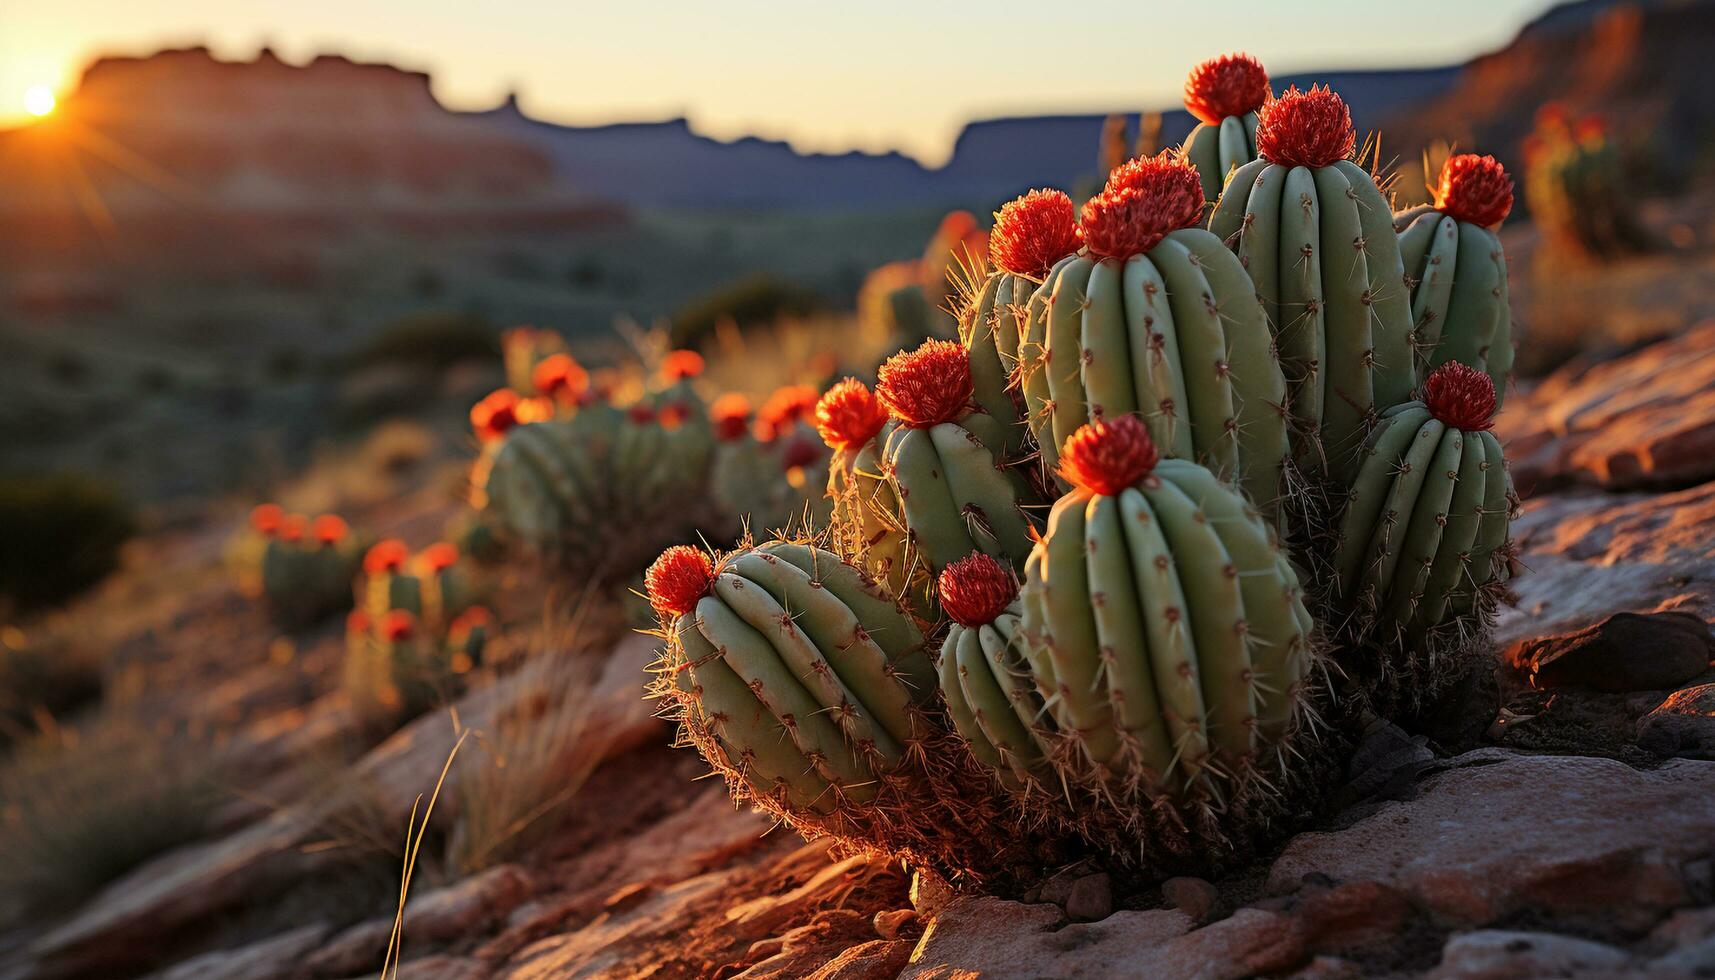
x=62, y=532
x=759, y=299
x=79, y=808
x=42, y=671
x=435, y=339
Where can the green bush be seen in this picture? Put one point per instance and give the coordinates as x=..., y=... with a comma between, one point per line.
x=436, y=339
x=760, y=299
x=62, y=532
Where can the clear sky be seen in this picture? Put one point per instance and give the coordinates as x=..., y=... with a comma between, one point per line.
x=874, y=75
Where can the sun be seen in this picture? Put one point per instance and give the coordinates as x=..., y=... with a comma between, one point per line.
x=39, y=100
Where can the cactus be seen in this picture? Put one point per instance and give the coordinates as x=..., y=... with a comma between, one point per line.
x=301, y=568
x=1314, y=232
x=775, y=474
x=865, y=525
x=807, y=688
x=1457, y=271
x=1170, y=637
x=1156, y=317
x=956, y=490
x=907, y=301
x=1420, y=554
x=1224, y=95
x=415, y=632
x=1031, y=234
x=1576, y=187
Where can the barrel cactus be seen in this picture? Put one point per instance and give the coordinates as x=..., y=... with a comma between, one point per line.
x=774, y=474
x=416, y=630
x=956, y=490
x=1316, y=235
x=1169, y=633
x=1156, y=317
x=1224, y=95
x=304, y=567
x=1031, y=234
x=808, y=689
x=866, y=528
x=1457, y=271
x=1419, y=559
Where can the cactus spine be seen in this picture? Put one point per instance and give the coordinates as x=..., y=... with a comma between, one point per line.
x=1316, y=236
x=1224, y=95
x=1458, y=272
x=955, y=488
x=1421, y=547
x=1170, y=632
x=1157, y=318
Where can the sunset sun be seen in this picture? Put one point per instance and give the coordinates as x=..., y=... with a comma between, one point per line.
x=39, y=100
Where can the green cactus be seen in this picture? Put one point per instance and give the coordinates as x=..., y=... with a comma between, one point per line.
x=1167, y=634
x=807, y=687
x=1224, y=95
x=1031, y=234
x=1420, y=552
x=865, y=524
x=416, y=630
x=1157, y=318
x=1458, y=272
x=955, y=488
x=1316, y=235
x=303, y=569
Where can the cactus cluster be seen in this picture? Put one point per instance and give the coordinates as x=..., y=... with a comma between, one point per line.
x=911, y=300
x=301, y=568
x=416, y=630
x=1115, y=572
x=1575, y=184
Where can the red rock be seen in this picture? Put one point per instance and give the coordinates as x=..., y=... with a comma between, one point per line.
x=1625, y=652
x=1351, y=916
x=1500, y=833
x=877, y=960
x=1091, y=898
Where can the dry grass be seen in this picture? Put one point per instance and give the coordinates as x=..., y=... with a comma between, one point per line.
x=80, y=807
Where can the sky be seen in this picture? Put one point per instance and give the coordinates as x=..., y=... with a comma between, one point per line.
x=876, y=75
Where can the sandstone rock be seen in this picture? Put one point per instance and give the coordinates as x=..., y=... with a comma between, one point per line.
x=1498, y=833
x=1643, y=420
x=463, y=908
x=444, y=968
x=1091, y=898
x=894, y=923
x=1591, y=555
x=877, y=960
x=1625, y=652
x=1683, y=725
x=1350, y=917
x=1498, y=955
x=1193, y=896
x=276, y=958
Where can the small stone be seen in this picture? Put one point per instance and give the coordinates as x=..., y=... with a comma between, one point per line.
x=1683, y=725
x=1091, y=899
x=1501, y=955
x=1193, y=896
x=894, y=923
x=1625, y=652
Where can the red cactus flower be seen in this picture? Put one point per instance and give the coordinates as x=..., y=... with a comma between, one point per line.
x=1553, y=116
x=329, y=529
x=677, y=579
x=292, y=527
x=976, y=589
x=603, y=383
x=357, y=621
x=495, y=415
x=560, y=377
x=1460, y=396
x=640, y=414
x=398, y=625
x=1305, y=129
x=1105, y=457
x=385, y=556
x=849, y=415
x=265, y=519
x=1033, y=232
x=440, y=556
x=1590, y=129
x=1143, y=201
x=1475, y=189
x=730, y=414
x=784, y=407
x=801, y=451
x=680, y=365
x=1230, y=85
x=927, y=386
x=470, y=619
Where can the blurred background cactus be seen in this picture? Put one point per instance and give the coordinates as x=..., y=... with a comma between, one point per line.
x=1577, y=189
x=417, y=630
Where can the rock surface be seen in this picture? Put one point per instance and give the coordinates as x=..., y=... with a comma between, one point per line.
x=1625, y=652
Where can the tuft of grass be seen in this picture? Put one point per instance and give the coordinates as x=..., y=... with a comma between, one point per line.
x=43, y=674
x=62, y=534
x=759, y=299
x=537, y=754
x=80, y=807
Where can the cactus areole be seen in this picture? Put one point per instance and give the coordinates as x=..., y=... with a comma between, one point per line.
x=1460, y=397
x=1034, y=231
x=1305, y=129
x=927, y=386
x=1231, y=85
x=1474, y=188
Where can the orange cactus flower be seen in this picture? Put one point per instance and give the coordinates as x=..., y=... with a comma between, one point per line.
x=385, y=556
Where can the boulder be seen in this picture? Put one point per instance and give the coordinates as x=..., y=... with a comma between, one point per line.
x=1625, y=652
